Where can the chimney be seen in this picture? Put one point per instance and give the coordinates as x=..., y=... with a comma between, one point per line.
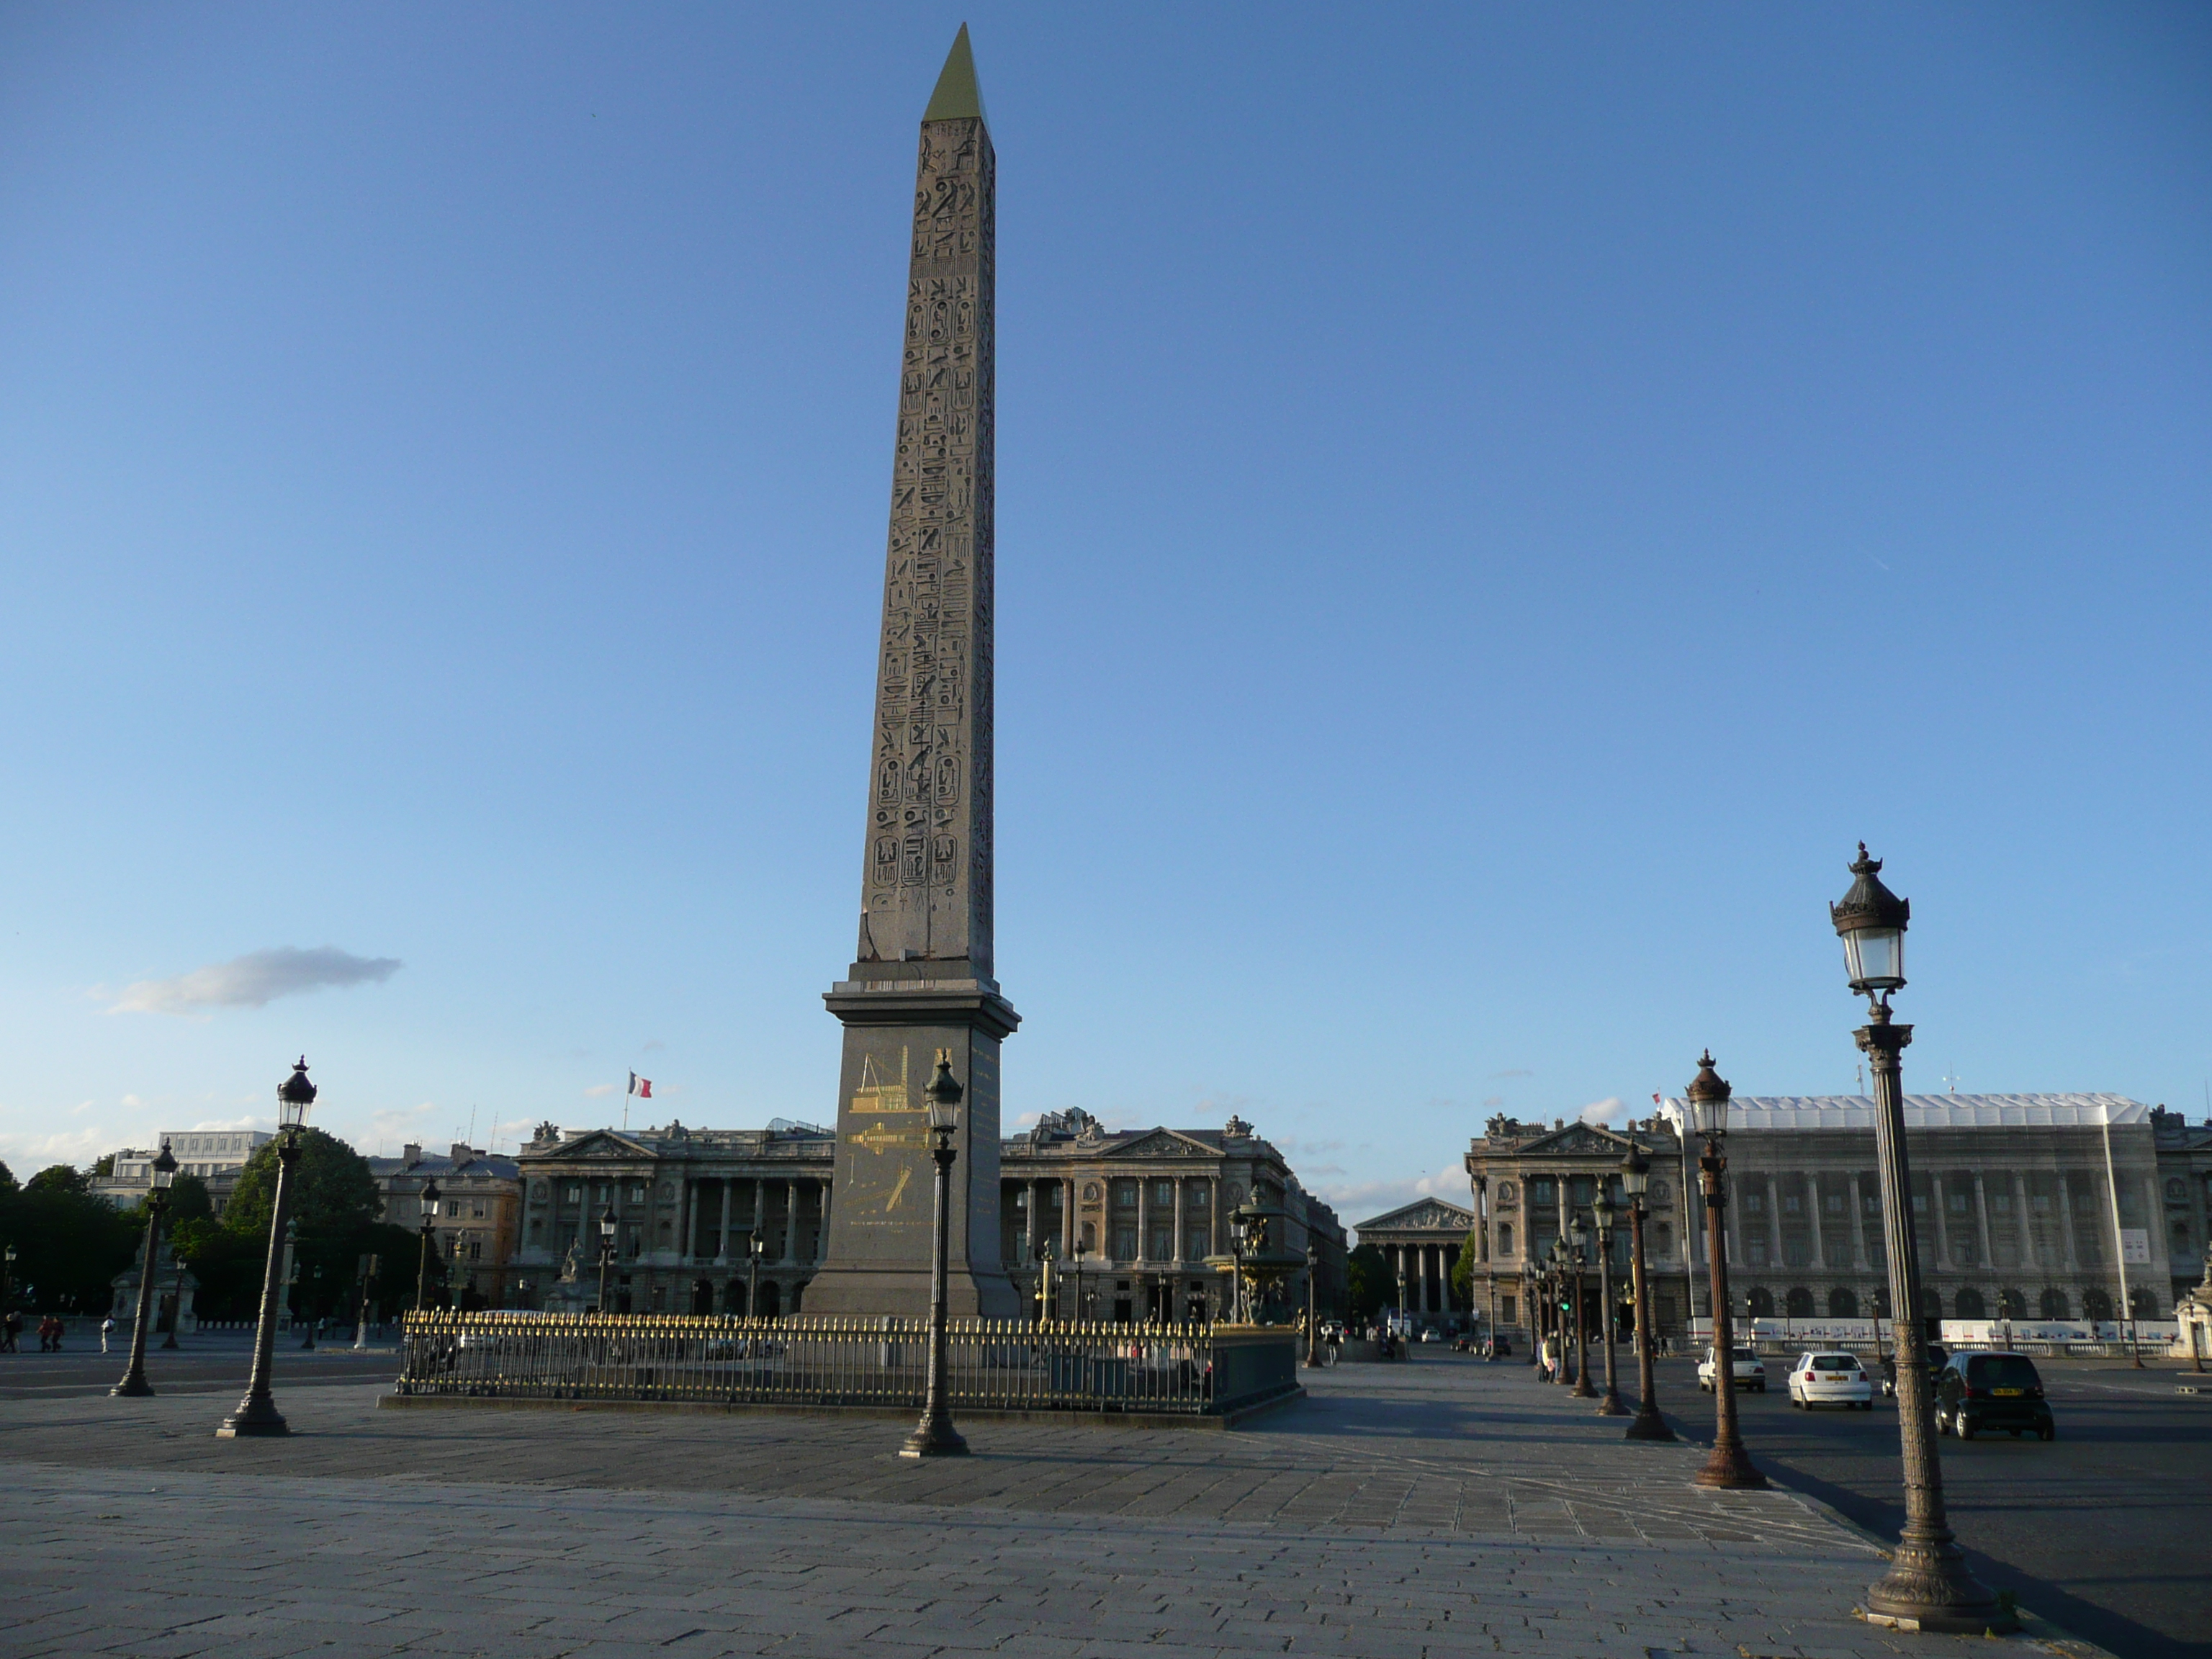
x=460, y=1152
x=411, y=1152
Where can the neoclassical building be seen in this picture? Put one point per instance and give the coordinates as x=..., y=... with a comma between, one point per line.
x=1422, y=1242
x=2028, y=1207
x=1146, y=1207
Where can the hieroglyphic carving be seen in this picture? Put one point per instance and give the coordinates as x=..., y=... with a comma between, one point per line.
x=926, y=873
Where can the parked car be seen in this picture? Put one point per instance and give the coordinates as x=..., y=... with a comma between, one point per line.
x=1433, y=1334
x=1938, y=1357
x=1979, y=1391
x=1830, y=1379
x=1749, y=1371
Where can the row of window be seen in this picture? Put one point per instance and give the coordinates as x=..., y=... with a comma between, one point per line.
x=2051, y=1302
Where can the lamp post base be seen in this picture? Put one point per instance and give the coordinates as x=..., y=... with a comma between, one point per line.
x=1729, y=1469
x=132, y=1387
x=935, y=1437
x=1648, y=1425
x=256, y=1415
x=1611, y=1406
x=1929, y=1586
x=1582, y=1389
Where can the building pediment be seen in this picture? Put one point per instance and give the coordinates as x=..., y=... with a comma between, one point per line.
x=601, y=1143
x=1575, y=1141
x=1164, y=1143
x=1423, y=1215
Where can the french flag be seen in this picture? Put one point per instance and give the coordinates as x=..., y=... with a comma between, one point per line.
x=641, y=1086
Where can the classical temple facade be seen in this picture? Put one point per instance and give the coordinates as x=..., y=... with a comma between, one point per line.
x=2025, y=1206
x=1421, y=1242
x=1133, y=1216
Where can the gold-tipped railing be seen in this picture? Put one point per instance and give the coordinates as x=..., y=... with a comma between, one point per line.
x=845, y=1361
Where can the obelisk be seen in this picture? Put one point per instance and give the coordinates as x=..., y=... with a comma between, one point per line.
x=923, y=980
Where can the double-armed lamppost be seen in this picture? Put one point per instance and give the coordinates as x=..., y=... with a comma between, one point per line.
x=1579, y=1255
x=134, y=1382
x=1601, y=1213
x=427, y=1202
x=1635, y=1181
x=1079, y=1251
x=1555, y=1312
x=753, y=1251
x=934, y=1436
x=1929, y=1581
x=1313, y=1318
x=1729, y=1466
x=257, y=1413
x=1047, y=1292
x=608, y=1222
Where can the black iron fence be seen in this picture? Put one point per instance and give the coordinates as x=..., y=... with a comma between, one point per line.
x=1193, y=1370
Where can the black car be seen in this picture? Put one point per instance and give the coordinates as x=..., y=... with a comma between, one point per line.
x=1981, y=1391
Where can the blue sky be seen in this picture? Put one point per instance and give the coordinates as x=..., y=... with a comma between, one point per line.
x=1493, y=502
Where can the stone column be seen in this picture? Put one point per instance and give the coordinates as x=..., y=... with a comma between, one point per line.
x=760, y=1212
x=1773, y=1223
x=1982, y=1223
x=2066, y=1223
x=791, y=1223
x=1177, y=1254
x=1938, y=1233
x=1861, y=1259
x=722, y=1232
x=1815, y=1196
x=2024, y=1223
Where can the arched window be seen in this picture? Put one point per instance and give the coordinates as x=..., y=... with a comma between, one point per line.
x=1761, y=1302
x=1881, y=1302
x=771, y=1302
x=1841, y=1304
x=2054, y=1304
x=2097, y=1303
x=734, y=1298
x=1971, y=1305
x=2011, y=1305
x=1799, y=1301
x=2142, y=1304
x=1934, y=1310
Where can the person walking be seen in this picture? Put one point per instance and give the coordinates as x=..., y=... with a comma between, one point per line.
x=10, y=1328
x=106, y=1330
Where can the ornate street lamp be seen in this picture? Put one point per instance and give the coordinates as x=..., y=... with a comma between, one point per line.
x=1558, y=1313
x=1079, y=1252
x=1601, y=1213
x=1530, y=1306
x=1047, y=1292
x=1729, y=1466
x=608, y=1222
x=426, y=1201
x=1312, y=1322
x=1579, y=1232
x=257, y=1413
x=753, y=1250
x=1929, y=1581
x=934, y=1436
x=134, y=1384
x=1635, y=1182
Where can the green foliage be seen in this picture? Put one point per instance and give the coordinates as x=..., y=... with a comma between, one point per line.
x=228, y=1265
x=7, y=1182
x=68, y=1243
x=1368, y=1283
x=105, y=1164
x=333, y=1193
x=61, y=1178
x=189, y=1201
x=1463, y=1272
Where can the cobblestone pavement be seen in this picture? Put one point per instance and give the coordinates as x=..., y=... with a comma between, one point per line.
x=1436, y=1509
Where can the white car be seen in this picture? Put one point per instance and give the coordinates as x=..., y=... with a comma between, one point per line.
x=1830, y=1379
x=1750, y=1371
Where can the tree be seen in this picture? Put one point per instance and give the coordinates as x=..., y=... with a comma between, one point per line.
x=1463, y=1272
x=9, y=1184
x=189, y=1201
x=68, y=1243
x=105, y=1164
x=333, y=1192
x=1368, y=1283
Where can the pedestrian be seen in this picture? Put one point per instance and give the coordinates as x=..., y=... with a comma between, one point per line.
x=106, y=1330
x=10, y=1328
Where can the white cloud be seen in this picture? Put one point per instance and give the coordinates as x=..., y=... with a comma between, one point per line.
x=254, y=979
x=1599, y=1113
x=398, y=1120
x=132, y=1100
x=28, y=1154
x=598, y=1089
x=1356, y=1201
